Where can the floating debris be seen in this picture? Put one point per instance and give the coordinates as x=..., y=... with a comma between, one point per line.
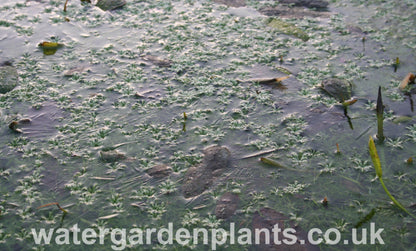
x=340, y=89
x=409, y=161
x=110, y=4
x=103, y=178
x=159, y=171
x=9, y=78
x=355, y=29
x=259, y=154
x=226, y=205
x=266, y=81
x=325, y=202
x=112, y=155
x=275, y=82
x=199, y=178
x=78, y=69
x=337, y=151
x=216, y=157
x=108, y=217
x=313, y=4
x=158, y=61
x=50, y=48
x=14, y=125
x=199, y=207
x=140, y=205
x=291, y=12
x=409, y=79
x=288, y=29
x=53, y=203
x=231, y=3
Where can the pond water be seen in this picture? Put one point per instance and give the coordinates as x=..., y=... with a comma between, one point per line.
x=160, y=81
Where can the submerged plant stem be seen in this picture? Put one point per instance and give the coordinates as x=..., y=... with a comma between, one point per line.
x=66, y=3
x=393, y=199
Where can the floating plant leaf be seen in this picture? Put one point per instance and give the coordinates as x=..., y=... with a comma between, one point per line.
x=271, y=162
x=402, y=119
x=266, y=81
x=410, y=78
x=49, y=48
x=349, y=102
x=283, y=70
x=50, y=45
x=274, y=82
x=288, y=29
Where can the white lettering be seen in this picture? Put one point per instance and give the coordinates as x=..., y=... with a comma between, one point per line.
x=42, y=235
x=118, y=244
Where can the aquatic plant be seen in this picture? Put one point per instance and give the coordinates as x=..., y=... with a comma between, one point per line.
x=412, y=133
x=156, y=209
x=380, y=117
x=395, y=143
x=167, y=187
x=211, y=221
x=361, y=165
x=379, y=172
x=327, y=167
x=143, y=192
